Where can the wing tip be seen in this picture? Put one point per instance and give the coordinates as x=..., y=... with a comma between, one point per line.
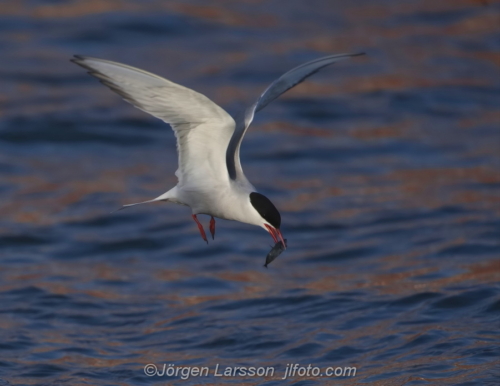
x=83, y=60
x=78, y=59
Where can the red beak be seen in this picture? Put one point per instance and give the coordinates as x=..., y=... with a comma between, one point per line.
x=276, y=235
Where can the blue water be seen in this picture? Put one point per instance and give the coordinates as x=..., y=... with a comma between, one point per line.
x=385, y=169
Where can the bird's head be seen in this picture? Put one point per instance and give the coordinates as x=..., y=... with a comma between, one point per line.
x=271, y=218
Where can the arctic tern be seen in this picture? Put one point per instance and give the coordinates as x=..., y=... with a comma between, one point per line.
x=210, y=177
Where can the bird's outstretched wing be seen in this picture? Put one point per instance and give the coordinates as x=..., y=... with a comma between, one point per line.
x=284, y=83
x=203, y=129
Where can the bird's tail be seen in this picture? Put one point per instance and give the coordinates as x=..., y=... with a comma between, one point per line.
x=136, y=203
x=163, y=197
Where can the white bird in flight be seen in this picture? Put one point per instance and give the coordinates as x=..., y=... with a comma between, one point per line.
x=210, y=178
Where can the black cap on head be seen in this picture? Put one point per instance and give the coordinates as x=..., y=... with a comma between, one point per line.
x=266, y=209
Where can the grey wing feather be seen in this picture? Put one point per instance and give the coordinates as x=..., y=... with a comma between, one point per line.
x=295, y=76
x=202, y=128
x=278, y=87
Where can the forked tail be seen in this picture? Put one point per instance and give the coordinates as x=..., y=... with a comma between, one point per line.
x=164, y=197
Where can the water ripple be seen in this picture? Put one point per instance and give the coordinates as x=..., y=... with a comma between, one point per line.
x=384, y=168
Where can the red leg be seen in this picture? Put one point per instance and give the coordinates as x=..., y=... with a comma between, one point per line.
x=212, y=227
x=200, y=227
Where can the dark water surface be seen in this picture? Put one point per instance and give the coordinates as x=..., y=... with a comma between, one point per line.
x=386, y=169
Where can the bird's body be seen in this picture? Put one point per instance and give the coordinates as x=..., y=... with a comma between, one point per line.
x=210, y=177
x=226, y=200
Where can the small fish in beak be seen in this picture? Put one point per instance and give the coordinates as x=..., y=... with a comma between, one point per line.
x=278, y=248
x=276, y=235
